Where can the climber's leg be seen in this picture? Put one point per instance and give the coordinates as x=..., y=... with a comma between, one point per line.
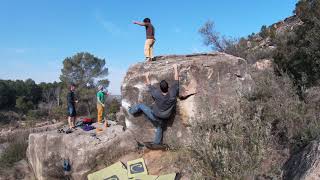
x=143, y=108
x=148, y=49
x=151, y=48
x=100, y=113
x=158, y=136
x=148, y=112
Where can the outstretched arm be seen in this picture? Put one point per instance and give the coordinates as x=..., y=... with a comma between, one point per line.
x=147, y=82
x=176, y=74
x=139, y=23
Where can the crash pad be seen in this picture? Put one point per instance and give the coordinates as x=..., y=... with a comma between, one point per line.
x=136, y=167
x=171, y=176
x=145, y=177
x=116, y=171
x=153, y=177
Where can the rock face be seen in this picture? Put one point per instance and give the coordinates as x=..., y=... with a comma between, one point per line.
x=304, y=165
x=206, y=82
x=47, y=151
x=7, y=135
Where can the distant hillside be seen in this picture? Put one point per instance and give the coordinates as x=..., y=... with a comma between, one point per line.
x=261, y=45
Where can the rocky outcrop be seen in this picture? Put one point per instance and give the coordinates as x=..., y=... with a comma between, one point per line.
x=206, y=82
x=47, y=151
x=305, y=165
x=8, y=135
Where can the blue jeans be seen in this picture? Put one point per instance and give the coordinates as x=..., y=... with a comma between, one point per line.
x=148, y=112
x=72, y=111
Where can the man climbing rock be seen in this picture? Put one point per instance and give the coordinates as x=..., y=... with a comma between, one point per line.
x=71, y=106
x=165, y=103
x=148, y=46
x=100, y=104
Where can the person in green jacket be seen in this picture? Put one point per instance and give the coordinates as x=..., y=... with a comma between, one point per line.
x=100, y=104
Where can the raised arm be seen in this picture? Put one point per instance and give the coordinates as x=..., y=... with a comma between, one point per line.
x=139, y=23
x=147, y=82
x=151, y=88
x=176, y=74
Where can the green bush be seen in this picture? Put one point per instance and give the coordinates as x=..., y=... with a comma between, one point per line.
x=58, y=112
x=14, y=153
x=23, y=104
x=264, y=32
x=7, y=117
x=114, y=106
x=36, y=114
x=112, y=117
x=298, y=52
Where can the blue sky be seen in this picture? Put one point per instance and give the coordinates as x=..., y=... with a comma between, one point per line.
x=36, y=35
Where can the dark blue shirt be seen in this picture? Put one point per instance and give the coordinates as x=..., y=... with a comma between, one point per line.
x=70, y=99
x=164, y=104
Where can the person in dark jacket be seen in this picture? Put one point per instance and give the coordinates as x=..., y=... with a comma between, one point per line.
x=71, y=101
x=165, y=102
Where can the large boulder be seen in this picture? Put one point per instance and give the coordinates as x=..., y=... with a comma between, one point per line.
x=47, y=151
x=305, y=164
x=207, y=81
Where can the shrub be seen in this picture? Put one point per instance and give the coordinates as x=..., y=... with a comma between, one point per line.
x=264, y=32
x=236, y=140
x=23, y=104
x=14, y=153
x=114, y=106
x=36, y=114
x=112, y=117
x=58, y=112
x=298, y=52
x=227, y=146
x=8, y=117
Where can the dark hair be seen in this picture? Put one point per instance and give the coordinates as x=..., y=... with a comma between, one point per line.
x=164, y=86
x=146, y=20
x=72, y=85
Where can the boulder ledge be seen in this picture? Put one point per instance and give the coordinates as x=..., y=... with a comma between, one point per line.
x=47, y=151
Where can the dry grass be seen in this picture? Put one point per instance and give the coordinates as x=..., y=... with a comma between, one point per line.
x=237, y=139
x=14, y=153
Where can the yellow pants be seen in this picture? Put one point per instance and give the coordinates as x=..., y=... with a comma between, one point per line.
x=100, y=109
x=148, y=48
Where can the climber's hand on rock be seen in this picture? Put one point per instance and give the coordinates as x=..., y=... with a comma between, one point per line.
x=147, y=74
x=176, y=74
x=147, y=77
x=175, y=66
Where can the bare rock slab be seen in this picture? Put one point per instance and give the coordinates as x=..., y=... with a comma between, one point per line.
x=47, y=151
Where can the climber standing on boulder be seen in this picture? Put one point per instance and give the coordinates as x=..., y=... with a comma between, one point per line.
x=148, y=46
x=71, y=100
x=165, y=103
